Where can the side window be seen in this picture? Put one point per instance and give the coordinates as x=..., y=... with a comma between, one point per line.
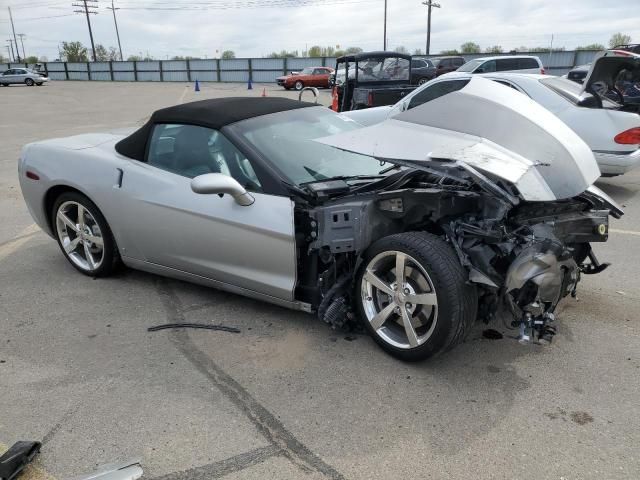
x=318, y=71
x=506, y=84
x=189, y=150
x=486, y=67
x=446, y=63
x=527, y=63
x=458, y=62
x=436, y=90
x=506, y=64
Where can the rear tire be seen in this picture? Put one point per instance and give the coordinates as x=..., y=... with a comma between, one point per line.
x=39, y=84
x=422, y=81
x=434, y=296
x=84, y=235
x=29, y=82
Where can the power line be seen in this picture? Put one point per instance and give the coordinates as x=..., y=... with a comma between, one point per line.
x=22, y=35
x=429, y=4
x=86, y=9
x=113, y=9
x=15, y=39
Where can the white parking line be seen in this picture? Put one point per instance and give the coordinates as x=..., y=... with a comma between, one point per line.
x=624, y=232
x=186, y=89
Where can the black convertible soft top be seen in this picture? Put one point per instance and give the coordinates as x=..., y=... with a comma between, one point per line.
x=213, y=113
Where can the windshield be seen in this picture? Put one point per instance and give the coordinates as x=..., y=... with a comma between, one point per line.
x=286, y=139
x=470, y=66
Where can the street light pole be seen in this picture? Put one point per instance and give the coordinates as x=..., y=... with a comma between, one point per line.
x=113, y=9
x=430, y=4
x=384, y=42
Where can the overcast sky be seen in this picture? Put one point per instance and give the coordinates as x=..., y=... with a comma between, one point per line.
x=202, y=27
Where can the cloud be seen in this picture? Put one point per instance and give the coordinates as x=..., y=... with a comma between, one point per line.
x=259, y=31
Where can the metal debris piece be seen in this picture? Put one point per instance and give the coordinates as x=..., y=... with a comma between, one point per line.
x=14, y=460
x=130, y=470
x=204, y=326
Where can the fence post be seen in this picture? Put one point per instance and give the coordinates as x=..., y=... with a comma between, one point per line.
x=161, y=72
x=66, y=71
x=188, y=70
x=324, y=61
x=250, y=71
x=218, y=68
x=88, y=71
x=575, y=56
x=284, y=66
x=135, y=70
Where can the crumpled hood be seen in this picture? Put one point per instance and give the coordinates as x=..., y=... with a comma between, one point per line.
x=489, y=127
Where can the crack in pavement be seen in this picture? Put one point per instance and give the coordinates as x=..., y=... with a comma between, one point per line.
x=273, y=430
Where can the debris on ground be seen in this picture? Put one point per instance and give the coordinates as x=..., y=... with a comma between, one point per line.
x=492, y=334
x=203, y=326
x=117, y=471
x=14, y=460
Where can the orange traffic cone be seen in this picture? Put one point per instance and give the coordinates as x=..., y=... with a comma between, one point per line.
x=264, y=92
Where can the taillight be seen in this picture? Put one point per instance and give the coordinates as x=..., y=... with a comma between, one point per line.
x=370, y=99
x=32, y=175
x=542, y=72
x=628, y=137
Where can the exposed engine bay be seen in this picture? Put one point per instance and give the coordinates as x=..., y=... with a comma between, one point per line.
x=522, y=256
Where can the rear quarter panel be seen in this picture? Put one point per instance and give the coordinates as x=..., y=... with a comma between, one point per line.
x=92, y=171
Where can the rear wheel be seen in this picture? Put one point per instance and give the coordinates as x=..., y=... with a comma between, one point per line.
x=299, y=85
x=39, y=84
x=84, y=235
x=413, y=297
x=29, y=82
x=422, y=81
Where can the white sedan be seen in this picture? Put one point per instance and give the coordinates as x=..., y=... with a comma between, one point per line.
x=612, y=133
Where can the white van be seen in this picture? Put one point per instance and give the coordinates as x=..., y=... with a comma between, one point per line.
x=504, y=63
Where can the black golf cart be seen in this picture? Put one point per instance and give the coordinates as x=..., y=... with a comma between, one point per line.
x=370, y=79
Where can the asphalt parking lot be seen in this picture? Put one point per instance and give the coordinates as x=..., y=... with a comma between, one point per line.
x=288, y=398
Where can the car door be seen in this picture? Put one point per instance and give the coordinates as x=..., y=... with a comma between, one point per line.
x=19, y=75
x=8, y=76
x=165, y=223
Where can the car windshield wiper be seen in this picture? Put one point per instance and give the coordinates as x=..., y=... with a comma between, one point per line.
x=388, y=169
x=345, y=178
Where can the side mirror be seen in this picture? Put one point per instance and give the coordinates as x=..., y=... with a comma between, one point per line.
x=218, y=183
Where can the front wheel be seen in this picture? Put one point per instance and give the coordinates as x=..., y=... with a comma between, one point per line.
x=422, y=81
x=29, y=82
x=413, y=297
x=299, y=85
x=84, y=235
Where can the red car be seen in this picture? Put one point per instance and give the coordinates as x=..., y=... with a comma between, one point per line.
x=309, y=77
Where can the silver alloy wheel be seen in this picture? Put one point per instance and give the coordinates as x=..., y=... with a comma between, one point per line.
x=402, y=308
x=80, y=236
x=299, y=85
x=29, y=82
x=422, y=81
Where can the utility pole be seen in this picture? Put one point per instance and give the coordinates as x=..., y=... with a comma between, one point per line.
x=15, y=39
x=113, y=9
x=12, y=57
x=430, y=4
x=384, y=43
x=22, y=35
x=86, y=9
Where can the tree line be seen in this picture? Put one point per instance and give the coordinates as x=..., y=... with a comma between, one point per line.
x=77, y=52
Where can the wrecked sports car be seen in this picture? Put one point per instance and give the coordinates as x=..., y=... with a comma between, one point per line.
x=477, y=205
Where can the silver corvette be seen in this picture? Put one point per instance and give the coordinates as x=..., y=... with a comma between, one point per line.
x=478, y=205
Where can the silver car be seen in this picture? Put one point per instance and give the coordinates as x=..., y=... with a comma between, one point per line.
x=22, y=76
x=412, y=230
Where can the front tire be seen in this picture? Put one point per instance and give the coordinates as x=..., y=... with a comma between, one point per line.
x=84, y=235
x=299, y=85
x=29, y=82
x=427, y=308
